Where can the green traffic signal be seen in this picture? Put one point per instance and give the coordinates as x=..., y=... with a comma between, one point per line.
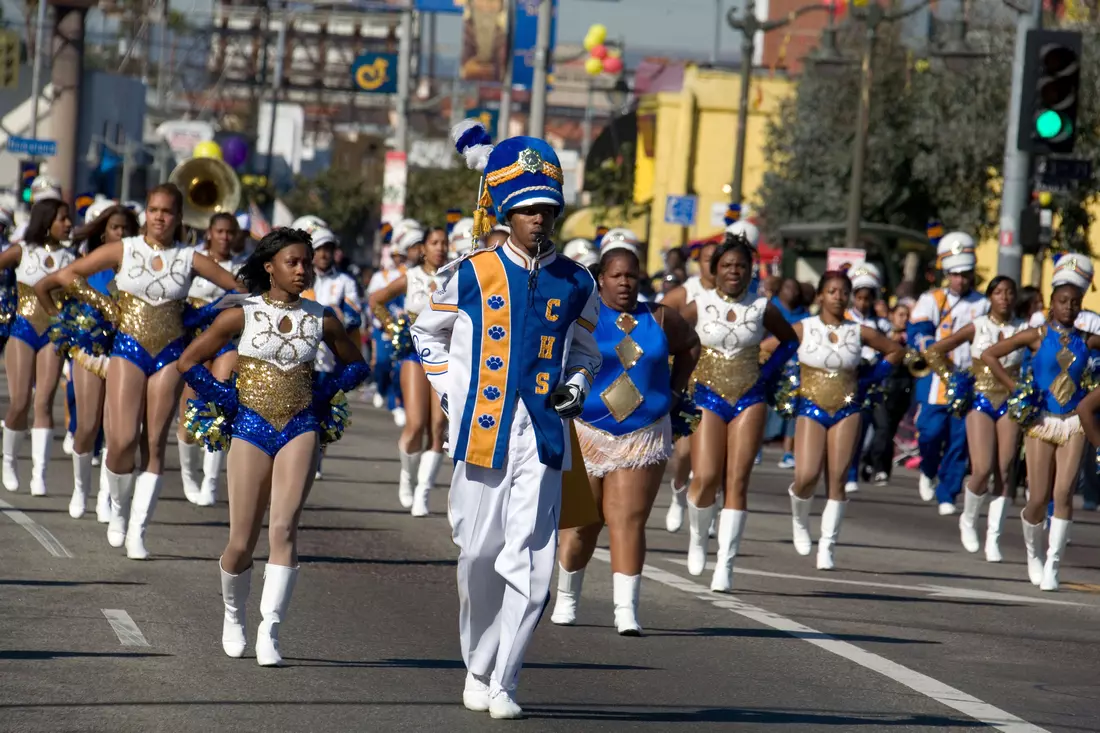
x=26, y=195
x=1049, y=124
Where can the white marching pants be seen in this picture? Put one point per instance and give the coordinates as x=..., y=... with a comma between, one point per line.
x=505, y=524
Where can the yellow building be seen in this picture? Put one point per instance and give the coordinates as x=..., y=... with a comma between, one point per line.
x=686, y=145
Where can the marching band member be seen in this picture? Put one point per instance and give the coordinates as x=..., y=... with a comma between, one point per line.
x=387, y=389
x=1055, y=442
x=33, y=365
x=507, y=342
x=730, y=387
x=424, y=418
x=154, y=275
x=992, y=435
x=8, y=298
x=462, y=237
x=625, y=432
x=866, y=284
x=938, y=314
x=201, y=469
x=275, y=430
x=828, y=408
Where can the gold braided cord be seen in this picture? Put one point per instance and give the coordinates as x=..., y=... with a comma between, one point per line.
x=517, y=169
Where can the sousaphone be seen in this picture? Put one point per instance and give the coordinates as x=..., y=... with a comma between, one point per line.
x=209, y=187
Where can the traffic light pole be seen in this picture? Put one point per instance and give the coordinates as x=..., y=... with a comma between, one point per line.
x=36, y=73
x=1017, y=165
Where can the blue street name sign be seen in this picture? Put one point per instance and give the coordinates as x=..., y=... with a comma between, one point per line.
x=681, y=210
x=30, y=146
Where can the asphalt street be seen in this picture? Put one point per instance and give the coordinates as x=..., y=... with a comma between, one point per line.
x=909, y=634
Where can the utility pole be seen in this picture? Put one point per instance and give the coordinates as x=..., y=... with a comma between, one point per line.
x=162, y=23
x=537, y=126
x=1017, y=165
x=36, y=73
x=504, y=119
x=276, y=86
x=863, y=121
x=404, y=69
x=717, y=48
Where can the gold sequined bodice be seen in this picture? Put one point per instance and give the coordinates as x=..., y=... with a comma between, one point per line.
x=30, y=308
x=830, y=389
x=152, y=326
x=989, y=385
x=275, y=394
x=729, y=376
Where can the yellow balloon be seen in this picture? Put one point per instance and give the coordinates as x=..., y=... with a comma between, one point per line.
x=598, y=33
x=207, y=149
x=590, y=42
x=593, y=66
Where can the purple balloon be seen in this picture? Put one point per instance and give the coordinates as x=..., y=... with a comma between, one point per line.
x=235, y=151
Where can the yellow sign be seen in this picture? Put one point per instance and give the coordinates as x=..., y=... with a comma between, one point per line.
x=9, y=60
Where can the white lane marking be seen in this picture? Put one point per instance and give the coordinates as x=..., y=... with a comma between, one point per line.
x=124, y=627
x=40, y=533
x=944, y=694
x=935, y=591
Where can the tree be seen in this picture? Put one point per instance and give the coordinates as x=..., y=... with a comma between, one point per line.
x=342, y=198
x=611, y=188
x=431, y=191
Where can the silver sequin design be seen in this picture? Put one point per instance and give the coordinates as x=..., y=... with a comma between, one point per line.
x=818, y=349
x=139, y=276
x=262, y=339
x=37, y=262
x=718, y=332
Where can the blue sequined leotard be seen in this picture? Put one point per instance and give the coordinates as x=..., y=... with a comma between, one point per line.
x=828, y=361
x=32, y=323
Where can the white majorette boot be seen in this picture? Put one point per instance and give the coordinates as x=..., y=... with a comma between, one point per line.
x=698, y=524
x=972, y=507
x=569, y=594
x=994, y=520
x=674, y=519
x=121, y=489
x=41, y=442
x=831, y=519
x=235, y=589
x=146, y=489
x=103, y=498
x=800, y=522
x=624, y=591
x=1059, y=533
x=82, y=480
x=425, y=481
x=719, y=503
x=278, y=588
x=13, y=440
x=191, y=470
x=212, y=463
x=1033, y=541
x=731, y=525
x=410, y=467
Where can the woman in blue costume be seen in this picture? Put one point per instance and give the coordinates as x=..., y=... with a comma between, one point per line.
x=88, y=373
x=33, y=364
x=731, y=387
x=201, y=469
x=273, y=421
x=625, y=432
x=154, y=273
x=828, y=410
x=1055, y=440
x=992, y=436
x=7, y=278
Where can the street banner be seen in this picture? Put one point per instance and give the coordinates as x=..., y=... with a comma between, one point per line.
x=394, y=187
x=837, y=257
x=484, y=40
x=526, y=37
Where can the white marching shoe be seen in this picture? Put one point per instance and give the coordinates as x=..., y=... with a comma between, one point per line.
x=399, y=417
x=13, y=441
x=503, y=707
x=103, y=497
x=698, y=525
x=191, y=470
x=800, y=522
x=993, y=522
x=569, y=594
x=926, y=485
x=235, y=590
x=731, y=525
x=674, y=519
x=1059, y=533
x=968, y=531
x=475, y=695
x=425, y=481
x=625, y=590
x=1033, y=538
x=410, y=468
x=146, y=490
x=831, y=518
x=120, y=487
x=82, y=481
x=212, y=464
x=41, y=442
x=279, y=583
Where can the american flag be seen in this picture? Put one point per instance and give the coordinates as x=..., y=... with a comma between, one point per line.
x=258, y=227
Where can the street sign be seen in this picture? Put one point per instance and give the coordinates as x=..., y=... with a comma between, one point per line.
x=681, y=210
x=490, y=118
x=1062, y=170
x=837, y=257
x=375, y=73
x=32, y=147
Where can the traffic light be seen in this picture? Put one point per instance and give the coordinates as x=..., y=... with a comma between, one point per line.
x=1048, y=105
x=27, y=173
x=9, y=60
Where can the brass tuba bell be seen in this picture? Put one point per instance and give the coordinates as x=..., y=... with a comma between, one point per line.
x=209, y=187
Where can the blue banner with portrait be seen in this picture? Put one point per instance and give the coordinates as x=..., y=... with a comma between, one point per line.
x=526, y=31
x=453, y=7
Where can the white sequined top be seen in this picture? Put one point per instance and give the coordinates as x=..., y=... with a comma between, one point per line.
x=729, y=327
x=419, y=286
x=156, y=276
x=833, y=348
x=692, y=287
x=987, y=333
x=288, y=344
x=206, y=291
x=36, y=262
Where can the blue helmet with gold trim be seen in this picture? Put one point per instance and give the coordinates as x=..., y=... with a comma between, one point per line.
x=524, y=171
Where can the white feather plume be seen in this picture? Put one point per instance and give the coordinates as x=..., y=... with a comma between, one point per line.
x=477, y=156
